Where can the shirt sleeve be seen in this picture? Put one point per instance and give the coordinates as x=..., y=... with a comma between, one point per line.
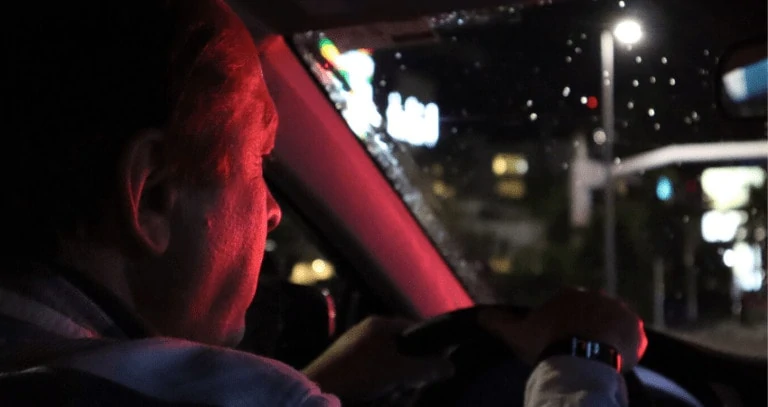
x=566, y=381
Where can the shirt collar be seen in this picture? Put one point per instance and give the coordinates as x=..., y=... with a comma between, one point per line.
x=64, y=303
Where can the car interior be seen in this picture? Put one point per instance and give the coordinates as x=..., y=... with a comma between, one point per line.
x=351, y=244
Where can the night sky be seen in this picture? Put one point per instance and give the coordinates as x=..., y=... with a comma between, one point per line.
x=523, y=78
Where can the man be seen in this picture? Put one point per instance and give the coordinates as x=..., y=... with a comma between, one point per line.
x=138, y=213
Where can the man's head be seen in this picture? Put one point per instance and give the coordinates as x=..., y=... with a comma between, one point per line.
x=142, y=126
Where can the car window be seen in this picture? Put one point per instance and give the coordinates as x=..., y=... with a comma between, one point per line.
x=497, y=127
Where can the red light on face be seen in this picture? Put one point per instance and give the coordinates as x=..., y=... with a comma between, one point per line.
x=592, y=102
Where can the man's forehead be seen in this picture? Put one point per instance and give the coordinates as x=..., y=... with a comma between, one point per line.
x=259, y=114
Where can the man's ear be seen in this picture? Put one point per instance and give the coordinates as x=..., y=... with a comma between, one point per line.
x=147, y=193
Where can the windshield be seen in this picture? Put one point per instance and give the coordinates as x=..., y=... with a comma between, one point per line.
x=500, y=128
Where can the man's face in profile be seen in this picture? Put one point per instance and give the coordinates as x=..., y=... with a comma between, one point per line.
x=203, y=284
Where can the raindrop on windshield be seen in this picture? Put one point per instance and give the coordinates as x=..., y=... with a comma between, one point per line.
x=529, y=103
x=664, y=60
x=566, y=91
x=577, y=50
x=398, y=55
x=672, y=81
x=651, y=112
x=568, y=59
x=638, y=59
x=630, y=105
x=534, y=116
x=622, y=4
x=653, y=79
x=599, y=136
x=635, y=83
x=657, y=126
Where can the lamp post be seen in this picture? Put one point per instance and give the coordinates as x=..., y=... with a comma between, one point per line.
x=626, y=32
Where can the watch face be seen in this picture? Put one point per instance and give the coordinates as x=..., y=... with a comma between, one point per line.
x=585, y=349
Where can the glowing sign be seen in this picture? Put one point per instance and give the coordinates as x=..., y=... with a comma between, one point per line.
x=729, y=187
x=328, y=50
x=412, y=122
x=356, y=67
x=717, y=226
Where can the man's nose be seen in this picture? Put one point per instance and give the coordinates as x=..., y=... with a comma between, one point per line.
x=274, y=214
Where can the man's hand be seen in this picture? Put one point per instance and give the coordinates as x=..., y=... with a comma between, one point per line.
x=364, y=363
x=572, y=312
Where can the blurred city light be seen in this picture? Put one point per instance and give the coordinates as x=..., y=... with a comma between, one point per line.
x=729, y=187
x=509, y=164
x=302, y=274
x=664, y=189
x=306, y=273
x=443, y=190
x=745, y=262
x=721, y=226
x=413, y=122
x=628, y=32
x=323, y=270
x=512, y=188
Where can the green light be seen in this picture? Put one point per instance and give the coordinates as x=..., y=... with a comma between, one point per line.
x=325, y=42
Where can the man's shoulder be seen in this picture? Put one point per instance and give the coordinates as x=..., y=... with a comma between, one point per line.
x=170, y=370
x=69, y=387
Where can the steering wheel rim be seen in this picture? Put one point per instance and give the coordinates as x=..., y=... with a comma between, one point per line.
x=455, y=330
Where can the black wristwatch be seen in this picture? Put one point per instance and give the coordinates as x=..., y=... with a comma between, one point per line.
x=585, y=349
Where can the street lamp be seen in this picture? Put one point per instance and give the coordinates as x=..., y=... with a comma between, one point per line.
x=626, y=32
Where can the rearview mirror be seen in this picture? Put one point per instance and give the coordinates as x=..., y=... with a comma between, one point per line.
x=743, y=81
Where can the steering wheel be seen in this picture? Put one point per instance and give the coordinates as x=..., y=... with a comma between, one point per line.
x=488, y=373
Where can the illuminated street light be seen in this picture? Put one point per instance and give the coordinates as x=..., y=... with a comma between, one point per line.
x=628, y=32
